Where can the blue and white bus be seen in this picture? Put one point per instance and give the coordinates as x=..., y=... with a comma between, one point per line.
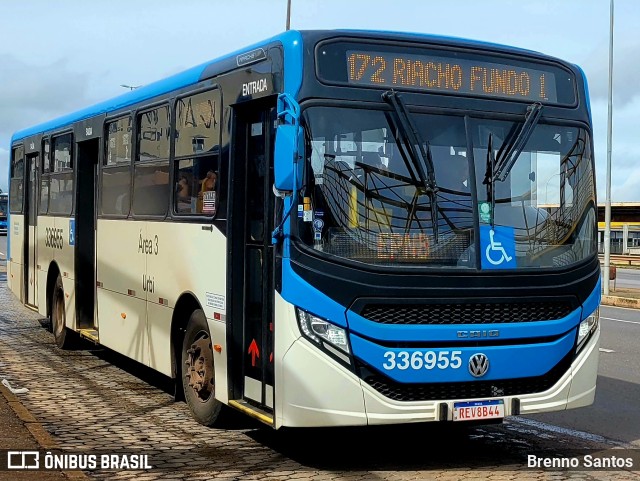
x=327, y=228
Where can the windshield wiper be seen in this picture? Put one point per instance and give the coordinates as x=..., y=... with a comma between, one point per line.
x=423, y=161
x=490, y=179
x=512, y=148
x=498, y=168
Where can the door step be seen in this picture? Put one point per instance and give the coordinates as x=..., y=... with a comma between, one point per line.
x=250, y=410
x=90, y=334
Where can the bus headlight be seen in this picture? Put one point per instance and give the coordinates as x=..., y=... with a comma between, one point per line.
x=586, y=328
x=319, y=330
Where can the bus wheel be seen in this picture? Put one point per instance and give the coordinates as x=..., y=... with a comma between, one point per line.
x=61, y=334
x=198, y=381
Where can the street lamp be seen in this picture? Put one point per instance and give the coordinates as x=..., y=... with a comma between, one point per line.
x=607, y=205
x=288, y=14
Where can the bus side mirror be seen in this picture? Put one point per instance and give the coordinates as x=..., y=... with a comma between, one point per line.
x=287, y=164
x=289, y=140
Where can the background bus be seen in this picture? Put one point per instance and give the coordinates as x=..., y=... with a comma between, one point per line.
x=4, y=212
x=328, y=228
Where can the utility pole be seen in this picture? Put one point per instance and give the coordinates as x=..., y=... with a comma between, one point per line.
x=288, y=14
x=607, y=206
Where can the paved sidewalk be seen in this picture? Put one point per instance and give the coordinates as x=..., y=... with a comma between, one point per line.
x=20, y=430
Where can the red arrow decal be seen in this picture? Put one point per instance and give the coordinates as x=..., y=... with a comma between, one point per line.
x=254, y=351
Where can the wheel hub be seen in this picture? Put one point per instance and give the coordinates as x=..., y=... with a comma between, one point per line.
x=199, y=366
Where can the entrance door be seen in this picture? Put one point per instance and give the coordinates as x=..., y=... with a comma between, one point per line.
x=253, y=254
x=85, y=234
x=31, y=230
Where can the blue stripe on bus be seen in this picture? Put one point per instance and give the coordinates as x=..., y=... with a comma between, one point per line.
x=593, y=301
x=293, y=61
x=505, y=362
x=586, y=91
x=449, y=332
x=302, y=294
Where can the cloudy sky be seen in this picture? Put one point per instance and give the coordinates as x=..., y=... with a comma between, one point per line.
x=56, y=56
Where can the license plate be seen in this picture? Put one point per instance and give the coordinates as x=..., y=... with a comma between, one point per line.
x=473, y=410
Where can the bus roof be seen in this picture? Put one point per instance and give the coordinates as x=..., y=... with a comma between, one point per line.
x=194, y=74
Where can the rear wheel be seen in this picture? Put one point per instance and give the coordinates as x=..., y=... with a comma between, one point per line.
x=198, y=380
x=61, y=334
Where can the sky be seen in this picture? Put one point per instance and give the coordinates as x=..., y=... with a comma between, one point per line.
x=56, y=57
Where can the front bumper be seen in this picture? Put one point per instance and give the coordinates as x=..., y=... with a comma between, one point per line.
x=318, y=391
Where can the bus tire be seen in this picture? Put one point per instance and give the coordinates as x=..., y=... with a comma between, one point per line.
x=198, y=379
x=61, y=334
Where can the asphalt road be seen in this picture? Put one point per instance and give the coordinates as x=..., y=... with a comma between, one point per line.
x=615, y=413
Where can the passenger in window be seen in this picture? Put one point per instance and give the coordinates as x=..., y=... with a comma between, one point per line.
x=209, y=182
x=184, y=195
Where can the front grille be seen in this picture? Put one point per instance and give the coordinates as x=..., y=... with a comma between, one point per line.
x=465, y=390
x=467, y=313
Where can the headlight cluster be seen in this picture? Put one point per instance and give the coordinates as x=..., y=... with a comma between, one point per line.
x=322, y=332
x=586, y=328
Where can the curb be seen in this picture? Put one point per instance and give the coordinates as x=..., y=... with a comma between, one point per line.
x=621, y=302
x=39, y=433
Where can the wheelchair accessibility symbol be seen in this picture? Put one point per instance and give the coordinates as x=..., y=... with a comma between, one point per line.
x=495, y=250
x=498, y=247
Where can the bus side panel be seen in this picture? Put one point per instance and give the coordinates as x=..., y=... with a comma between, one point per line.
x=185, y=258
x=218, y=331
x=64, y=258
x=42, y=291
x=120, y=296
x=32, y=271
x=311, y=389
x=159, y=335
x=45, y=257
x=585, y=374
x=123, y=325
x=15, y=271
x=286, y=332
x=317, y=391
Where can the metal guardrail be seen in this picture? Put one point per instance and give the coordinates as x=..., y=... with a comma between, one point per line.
x=622, y=258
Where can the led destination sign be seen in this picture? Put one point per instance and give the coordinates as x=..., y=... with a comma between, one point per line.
x=452, y=75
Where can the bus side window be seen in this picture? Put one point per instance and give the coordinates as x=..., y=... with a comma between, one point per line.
x=17, y=176
x=197, y=185
x=116, y=173
x=197, y=153
x=61, y=186
x=151, y=167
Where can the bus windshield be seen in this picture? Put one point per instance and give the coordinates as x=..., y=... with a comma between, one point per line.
x=365, y=200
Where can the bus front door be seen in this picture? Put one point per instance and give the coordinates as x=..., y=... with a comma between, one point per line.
x=31, y=231
x=253, y=256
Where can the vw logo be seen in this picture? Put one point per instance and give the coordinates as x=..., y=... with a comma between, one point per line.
x=478, y=365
